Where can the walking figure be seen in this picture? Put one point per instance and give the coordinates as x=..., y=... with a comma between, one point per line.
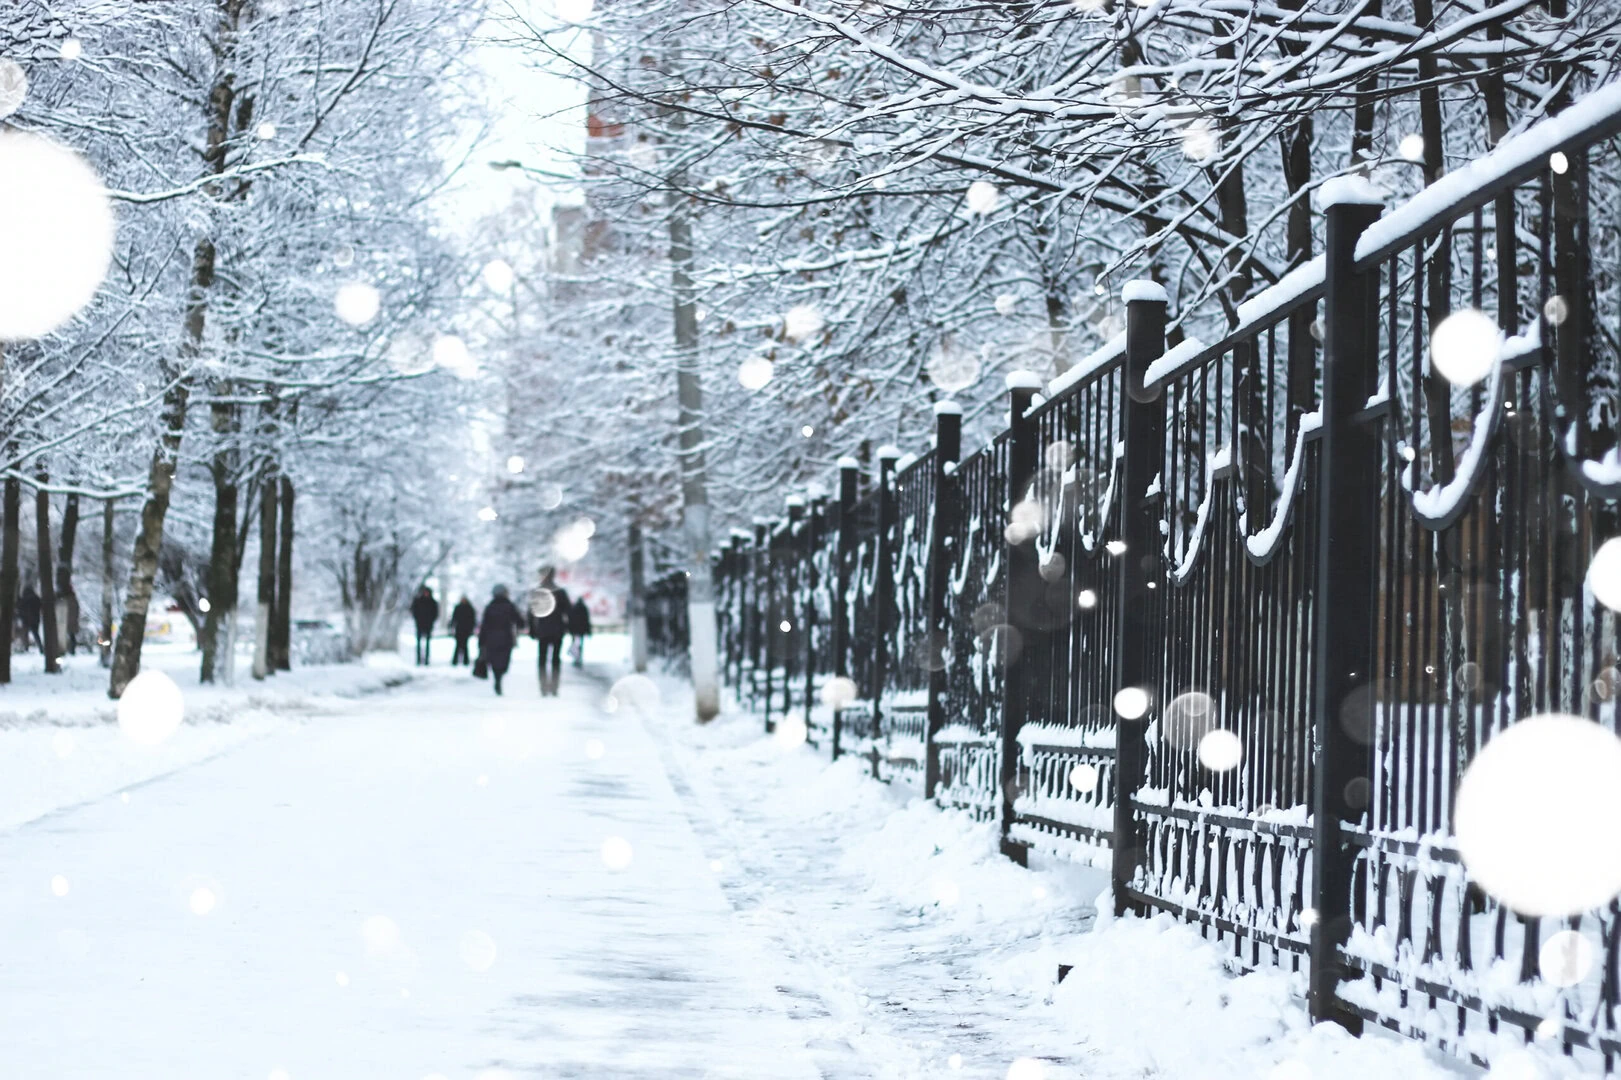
x=28, y=610
x=463, y=621
x=67, y=617
x=425, y=611
x=548, y=622
x=498, y=633
x=579, y=627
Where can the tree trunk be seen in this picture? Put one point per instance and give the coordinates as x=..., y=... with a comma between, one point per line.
x=1438, y=284
x=1231, y=198
x=1367, y=101
x=281, y=629
x=10, y=543
x=694, y=482
x=47, y=584
x=64, y=572
x=160, y=481
x=222, y=584
x=1296, y=149
x=104, y=638
x=149, y=536
x=267, y=578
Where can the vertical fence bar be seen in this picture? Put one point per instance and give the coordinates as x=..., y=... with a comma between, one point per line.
x=884, y=586
x=1142, y=429
x=849, y=482
x=1023, y=585
x=945, y=512
x=1347, y=580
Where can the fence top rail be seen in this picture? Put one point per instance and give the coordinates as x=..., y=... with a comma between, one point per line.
x=1516, y=159
x=984, y=457
x=1095, y=365
x=920, y=465
x=1260, y=313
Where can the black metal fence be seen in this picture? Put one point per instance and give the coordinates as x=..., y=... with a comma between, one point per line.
x=1230, y=620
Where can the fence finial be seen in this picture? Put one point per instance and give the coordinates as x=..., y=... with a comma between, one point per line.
x=1144, y=289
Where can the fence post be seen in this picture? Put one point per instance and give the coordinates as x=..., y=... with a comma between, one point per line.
x=1142, y=429
x=1023, y=586
x=792, y=580
x=1347, y=578
x=945, y=513
x=740, y=606
x=759, y=612
x=849, y=479
x=637, y=609
x=719, y=566
x=884, y=587
x=734, y=556
x=815, y=523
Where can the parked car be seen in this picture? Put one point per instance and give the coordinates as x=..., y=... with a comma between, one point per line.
x=319, y=641
x=166, y=624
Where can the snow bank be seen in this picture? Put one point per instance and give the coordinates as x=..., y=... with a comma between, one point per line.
x=60, y=743
x=1143, y=997
x=1160, y=993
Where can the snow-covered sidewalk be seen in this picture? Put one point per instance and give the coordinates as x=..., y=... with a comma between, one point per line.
x=910, y=947
x=438, y=883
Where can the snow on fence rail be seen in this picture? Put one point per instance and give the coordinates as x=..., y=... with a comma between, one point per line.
x=1235, y=637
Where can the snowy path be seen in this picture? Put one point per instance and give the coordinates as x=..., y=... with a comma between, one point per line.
x=447, y=812
x=881, y=988
x=413, y=886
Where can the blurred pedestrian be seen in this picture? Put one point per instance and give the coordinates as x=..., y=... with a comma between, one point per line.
x=463, y=621
x=67, y=617
x=579, y=627
x=498, y=633
x=425, y=612
x=548, y=622
x=28, y=610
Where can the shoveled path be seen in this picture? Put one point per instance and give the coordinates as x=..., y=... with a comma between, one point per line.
x=365, y=864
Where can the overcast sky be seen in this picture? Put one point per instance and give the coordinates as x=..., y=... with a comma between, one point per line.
x=540, y=114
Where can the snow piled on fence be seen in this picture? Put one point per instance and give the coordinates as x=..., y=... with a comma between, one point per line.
x=1144, y=997
x=60, y=744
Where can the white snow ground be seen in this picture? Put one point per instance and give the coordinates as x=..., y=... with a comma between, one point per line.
x=416, y=884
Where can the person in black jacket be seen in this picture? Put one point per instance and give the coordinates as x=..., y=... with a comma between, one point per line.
x=425, y=612
x=498, y=633
x=548, y=622
x=28, y=609
x=579, y=627
x=463, y=621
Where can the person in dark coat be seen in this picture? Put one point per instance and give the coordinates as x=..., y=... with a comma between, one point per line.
x=548, y=621
x=67, y=607
x=28, y=610
x=463, y=621
x=425, y=612
x=579, y=627
x=498, y=633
